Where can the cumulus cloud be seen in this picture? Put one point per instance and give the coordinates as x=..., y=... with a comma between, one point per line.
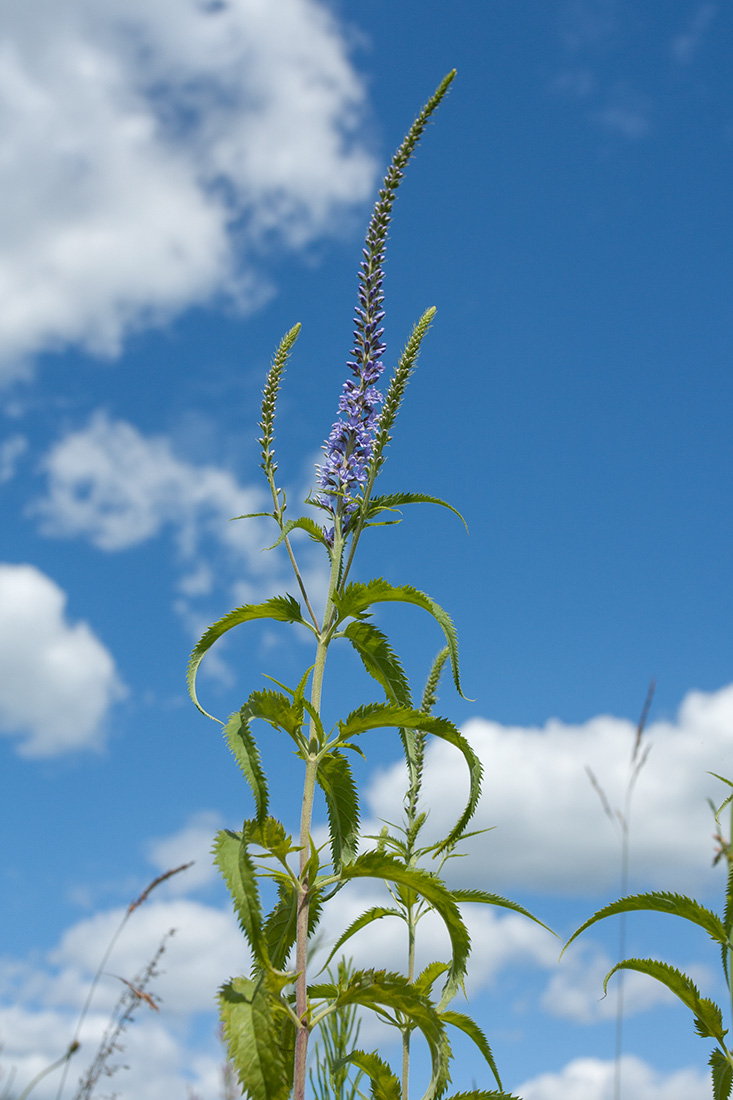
x=161, y=1051
x=153, y=150
x=57, y=680
x=191, y=843
x=592, y=1079
x=117, y=488
x=551, y=832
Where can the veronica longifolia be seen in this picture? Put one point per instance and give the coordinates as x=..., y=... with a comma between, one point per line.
x=270, y=1014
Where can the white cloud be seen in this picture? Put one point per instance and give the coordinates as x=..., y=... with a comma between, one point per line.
x=163, y=1053
x=57, y=680
x=575, y=989
x=592, y=1079
x=551, y=832
x=192, y=842
x=153, y=150
x=117, y=488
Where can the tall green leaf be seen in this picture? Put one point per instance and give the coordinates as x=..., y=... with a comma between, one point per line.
x=470, y=1028
x=358, y=598
x=259, y=1037
x=283, y=609
x=379, y=660
x=381, y=866
x=342, y=800
x=484, y=898
x=387, y=715
x=708, y=1017
x=658, y=902
x=244, y=748
x=232, y=859
x=391, y=501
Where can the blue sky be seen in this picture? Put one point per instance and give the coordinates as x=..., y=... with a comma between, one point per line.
x=181, y=185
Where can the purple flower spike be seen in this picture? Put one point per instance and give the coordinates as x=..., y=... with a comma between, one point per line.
x=349, y=449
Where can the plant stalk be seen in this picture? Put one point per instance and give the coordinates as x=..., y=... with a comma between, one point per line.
x=306, y=817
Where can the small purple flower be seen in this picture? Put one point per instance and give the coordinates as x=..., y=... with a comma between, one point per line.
x=349, y=448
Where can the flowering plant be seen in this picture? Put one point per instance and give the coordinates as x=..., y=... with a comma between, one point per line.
x=269, y=1015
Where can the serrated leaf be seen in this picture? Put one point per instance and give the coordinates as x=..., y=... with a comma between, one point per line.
x=260, y=1038
x=270, y=834
x=378, y=865
x=303, y=523
x=280, y=927
x=283, y=609
x=368, y=917
x=387, y=715
x=382, y=990
x=279, y=711
x=244, y=748
x=484, y=898
x=676, y=905
x=232, y=859
x=427, y=978
x=396, y=500
x=708, y=1016
x=358, y=598
x=342, y=801
x=385, y=1086
x=481, y=1094
x=380, y=660
x=470, y=1028
x=722, y=1075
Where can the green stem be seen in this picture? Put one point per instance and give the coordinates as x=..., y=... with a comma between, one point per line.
x=411, y=922
x=309, y=789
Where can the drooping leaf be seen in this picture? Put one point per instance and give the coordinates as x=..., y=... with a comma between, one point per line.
x=484, y=898
x=365, y=918
x=658, y=902
x=378, y=865
x=235, y=864
x=395, y=501
x=358, y=598
x=470, y=1027
x=708, y=1016
x=342, y=801
x=303, y=523
x=722, y=1075
x=259, y=1037
x=244, y=748
x=379, y=660
x=283, y=609
x=387, y=715
x=385, y=1086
